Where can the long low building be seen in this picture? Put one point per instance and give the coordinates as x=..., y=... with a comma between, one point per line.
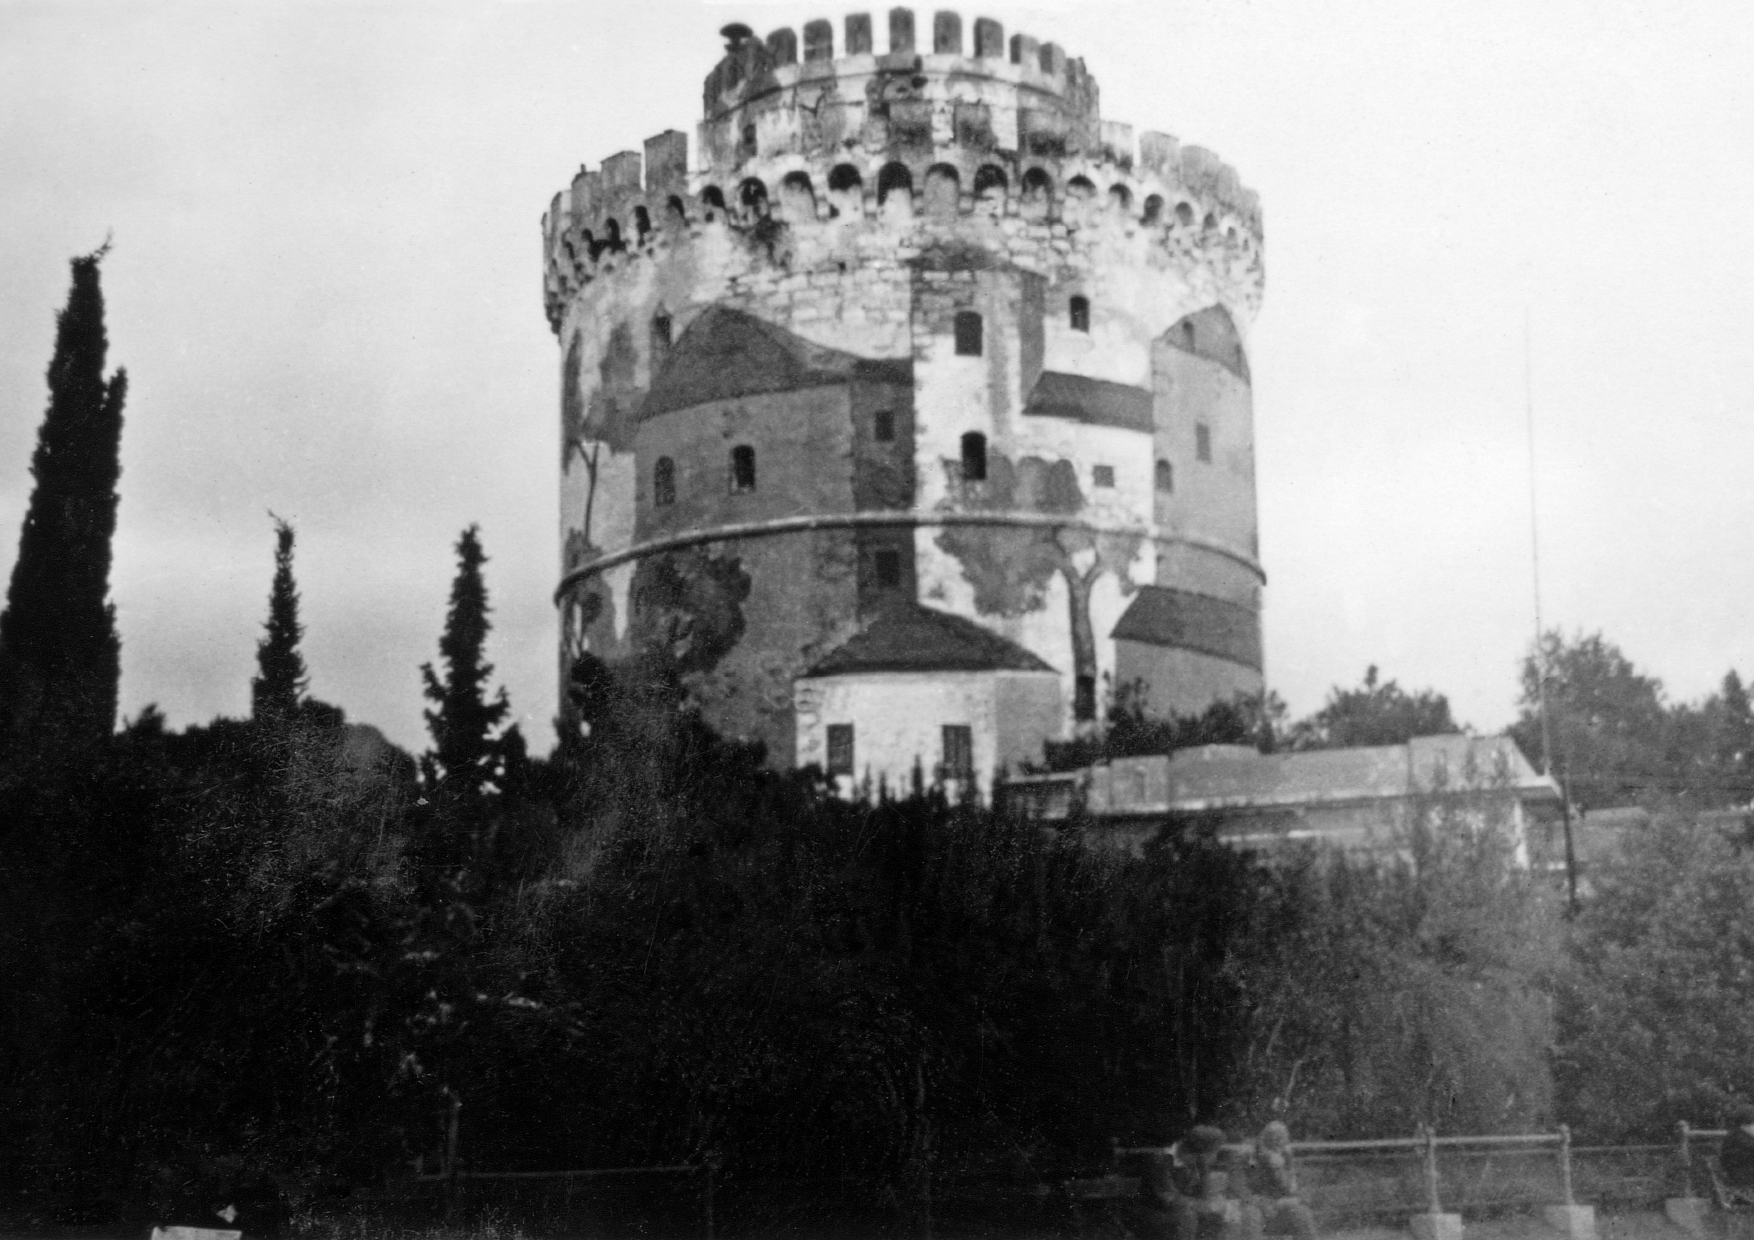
x=1363, y=798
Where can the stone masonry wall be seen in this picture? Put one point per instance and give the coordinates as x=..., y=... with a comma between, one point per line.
x=862, y=203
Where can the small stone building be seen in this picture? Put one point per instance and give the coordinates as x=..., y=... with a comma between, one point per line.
x=924, y=695
x=1364, y=799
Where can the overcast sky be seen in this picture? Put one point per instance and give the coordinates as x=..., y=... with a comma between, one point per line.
x=326, y=288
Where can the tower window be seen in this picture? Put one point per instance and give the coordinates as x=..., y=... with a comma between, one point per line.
x=888, y=565
x=1103, y=475
x=1203, y=442
x=1166, y=477
x=742, y=468
x=840, y=749
x=1081, y=314
x=660, y=335
x=664, y=482
x=974, y=457
x=883, y=425
x=968, y=334
x=958, y=751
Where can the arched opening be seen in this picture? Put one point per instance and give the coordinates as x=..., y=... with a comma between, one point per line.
x=895, y=192
x=713, y=199
x=752, y=197
x=1120, y=198
x=1080, y=187
x=1080, y=314
x=968, y=334
x=660, y=337
x=990, y=185
x=1038, y=189
x=943, y=188
x=642, y=222
x=846, y=191
x=974, y=457
x=797, y=197
x=742, y=469
x=1184, y=214
x=1153, y=209
x=663, y=482
x=1210, y=222
x=612, y=236
x=893, y=178
x=675, y=207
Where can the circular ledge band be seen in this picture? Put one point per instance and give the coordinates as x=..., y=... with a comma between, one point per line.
x=854, y=520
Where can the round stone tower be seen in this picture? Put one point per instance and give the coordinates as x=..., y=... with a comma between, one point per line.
x=915, y=421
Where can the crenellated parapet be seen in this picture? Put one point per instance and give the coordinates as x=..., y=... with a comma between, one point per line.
x=983, y=129
x=1182, y=203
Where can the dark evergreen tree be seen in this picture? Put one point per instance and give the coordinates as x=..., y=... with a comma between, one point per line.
x=280, y=680
x=467, y=757
x=60, y=659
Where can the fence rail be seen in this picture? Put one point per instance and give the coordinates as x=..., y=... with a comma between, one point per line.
x=1344, y=1182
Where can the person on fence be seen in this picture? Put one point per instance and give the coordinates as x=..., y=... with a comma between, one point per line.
x=1274, y=1207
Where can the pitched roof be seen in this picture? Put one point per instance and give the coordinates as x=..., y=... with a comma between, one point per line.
x=1162, y=616
x=1211, y=333
x=1096, y=401
x=726, y=353
x=909, y=638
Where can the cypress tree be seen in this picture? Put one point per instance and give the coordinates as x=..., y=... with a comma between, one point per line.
x=280, y=680
x=467, y=757
x=60, y=658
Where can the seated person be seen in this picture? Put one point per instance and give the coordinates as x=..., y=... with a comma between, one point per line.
x=1272, y=1187
x=1182, y=1193
x=1203, y=1208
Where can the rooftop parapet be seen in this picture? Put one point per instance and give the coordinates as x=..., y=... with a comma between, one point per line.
x=753, y=67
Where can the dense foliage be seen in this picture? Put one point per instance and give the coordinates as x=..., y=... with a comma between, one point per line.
x=59, y=654
x=280, y=946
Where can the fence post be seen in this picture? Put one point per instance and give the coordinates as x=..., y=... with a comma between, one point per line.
x=1430, y=1134
x=1565, y=1163
x=712, y=1166
x=451, y=1133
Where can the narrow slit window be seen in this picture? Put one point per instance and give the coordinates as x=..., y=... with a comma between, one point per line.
x=1103, y=475
x=660, y=335
x=840, y=749
x=883, y=425
x=958, y=751
x=974, y=457
x=888, y=565
x=968, y=334
x=664, y=482
x=1166, y=477
x=742, y=469
x=1081, y=314
x=1203, y=442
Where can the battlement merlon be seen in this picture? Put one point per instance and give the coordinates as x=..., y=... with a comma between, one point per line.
x=772, y=99
x=1034, y=99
